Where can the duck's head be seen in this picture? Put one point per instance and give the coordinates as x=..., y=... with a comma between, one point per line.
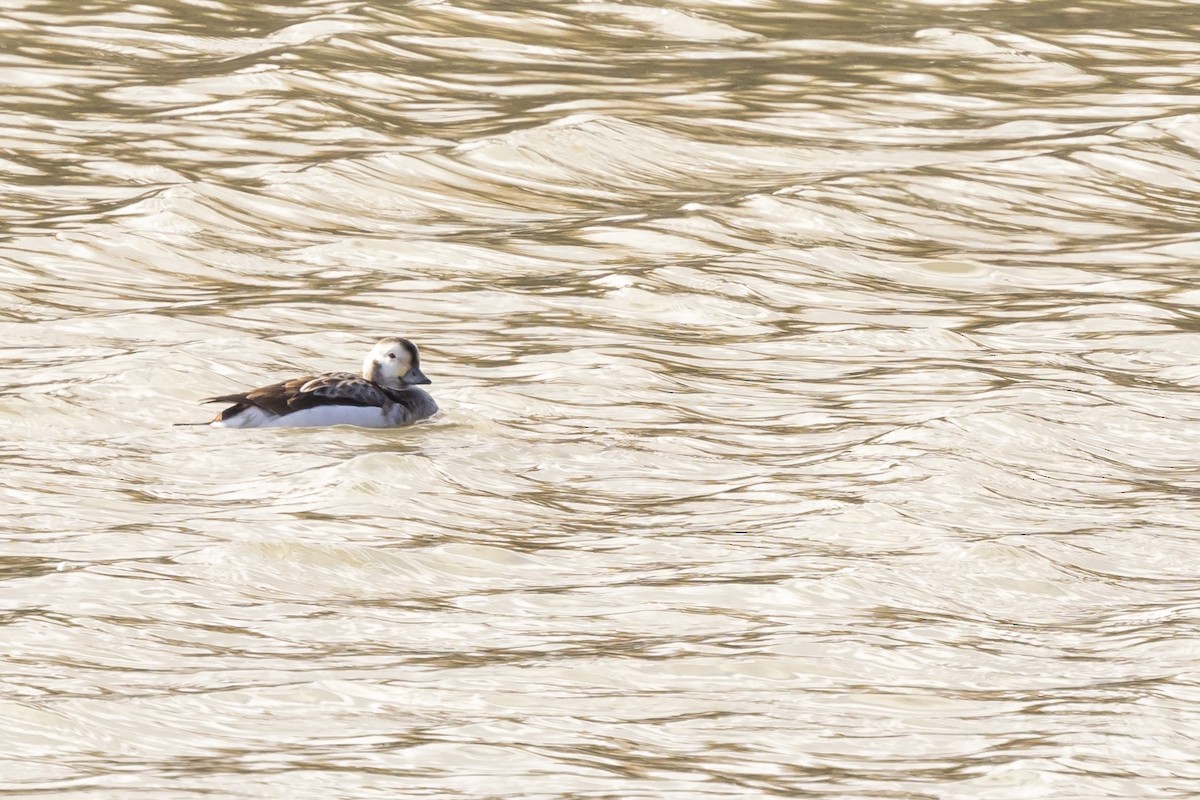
x=394, y=363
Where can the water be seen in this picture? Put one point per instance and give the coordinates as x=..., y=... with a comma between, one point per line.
x=818, y=388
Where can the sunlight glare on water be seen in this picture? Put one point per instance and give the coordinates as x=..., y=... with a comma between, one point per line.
x=818, y=388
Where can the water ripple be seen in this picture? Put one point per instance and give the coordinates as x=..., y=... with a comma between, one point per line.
x=817, y=386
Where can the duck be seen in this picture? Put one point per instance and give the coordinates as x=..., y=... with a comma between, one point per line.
x=383, y=396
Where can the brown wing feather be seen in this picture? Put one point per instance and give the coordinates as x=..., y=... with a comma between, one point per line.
x=332, y=388
x=345, y=388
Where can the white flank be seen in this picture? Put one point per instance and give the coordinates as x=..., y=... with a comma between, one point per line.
x=363, y=416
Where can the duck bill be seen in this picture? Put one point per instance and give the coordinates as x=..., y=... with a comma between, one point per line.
x=414, y=377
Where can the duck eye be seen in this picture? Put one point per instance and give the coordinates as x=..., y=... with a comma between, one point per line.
x=392, y=356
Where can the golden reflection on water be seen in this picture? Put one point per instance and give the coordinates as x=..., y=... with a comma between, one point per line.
x=818, y=389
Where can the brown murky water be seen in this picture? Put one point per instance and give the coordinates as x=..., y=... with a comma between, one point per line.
x=818, y=386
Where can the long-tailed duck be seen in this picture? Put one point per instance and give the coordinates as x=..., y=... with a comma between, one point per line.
x=384, y=396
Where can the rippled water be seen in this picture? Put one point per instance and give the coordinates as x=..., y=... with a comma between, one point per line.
x=818, y=387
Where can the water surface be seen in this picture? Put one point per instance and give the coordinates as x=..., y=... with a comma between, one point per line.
x=818, y=388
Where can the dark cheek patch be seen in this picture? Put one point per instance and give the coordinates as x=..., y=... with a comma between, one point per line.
x=413, y=359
